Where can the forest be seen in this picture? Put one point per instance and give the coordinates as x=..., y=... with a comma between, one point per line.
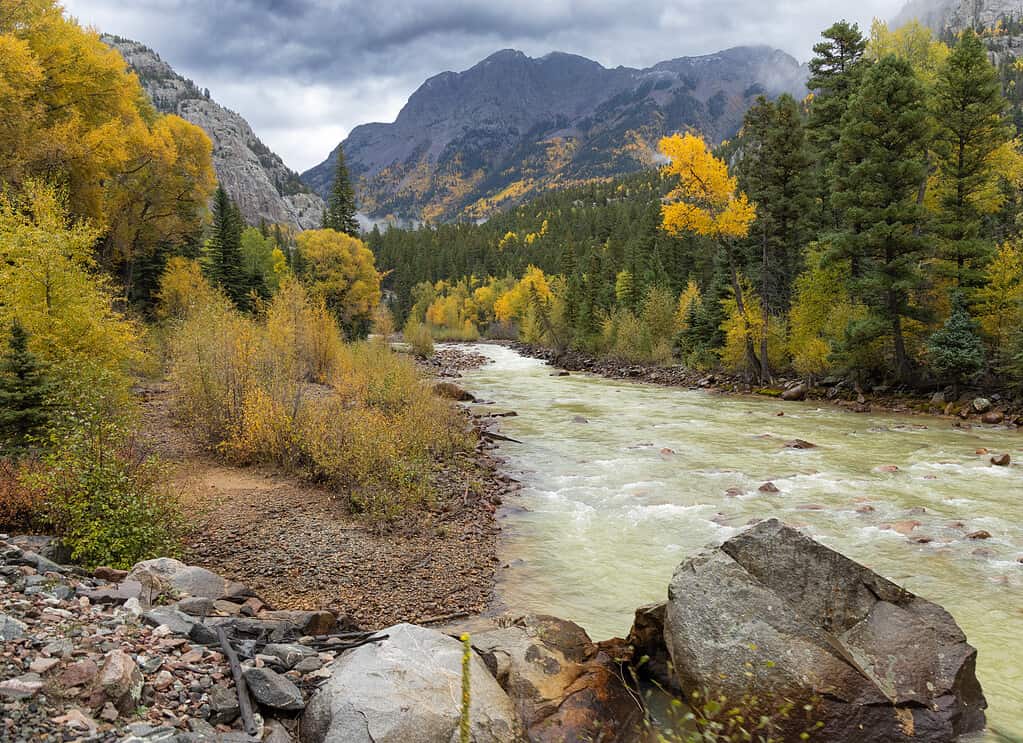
x=871, y=230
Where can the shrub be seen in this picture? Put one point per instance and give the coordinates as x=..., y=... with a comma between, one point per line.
x=23, y=500
x=418, y=337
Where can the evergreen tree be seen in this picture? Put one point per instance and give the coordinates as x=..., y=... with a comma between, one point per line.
x=969, y=110
x=956, y=351
x=340, y=214
x=23, y=391
x=835, y=74
x=224, y=264
x=882, y=152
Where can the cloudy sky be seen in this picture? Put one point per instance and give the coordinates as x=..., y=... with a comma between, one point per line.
x=304, y=72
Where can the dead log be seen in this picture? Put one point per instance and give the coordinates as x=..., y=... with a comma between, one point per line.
x=244, y=701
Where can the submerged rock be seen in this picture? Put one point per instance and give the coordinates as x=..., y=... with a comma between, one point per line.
x=795, y=393
x=564, y=687
x=774, y=619
x=407, y=689
x=451, y=391
x=799, y=444
x=1001, y=460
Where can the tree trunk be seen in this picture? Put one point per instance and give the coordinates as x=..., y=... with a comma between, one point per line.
x=751, y=353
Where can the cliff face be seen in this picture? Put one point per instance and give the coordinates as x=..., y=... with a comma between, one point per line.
x=469, y=143
x=256, y=178
x=956, y=15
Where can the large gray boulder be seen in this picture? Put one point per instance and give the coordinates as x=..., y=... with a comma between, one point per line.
x=565, y=687
x=167, y=575
x=407, y=689
x=773, y=620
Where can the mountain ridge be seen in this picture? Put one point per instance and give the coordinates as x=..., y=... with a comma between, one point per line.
x=472, y=142
x=255, y=177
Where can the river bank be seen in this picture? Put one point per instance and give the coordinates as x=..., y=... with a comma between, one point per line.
x=999, y=408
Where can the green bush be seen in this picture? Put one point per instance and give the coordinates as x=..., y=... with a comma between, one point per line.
x=418, y=336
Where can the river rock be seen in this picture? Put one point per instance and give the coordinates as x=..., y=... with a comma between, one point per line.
x=769, y=487
x=452, y=391
x=795, y=393
x=981, y=405
x=772, y=617
x=799, y=444
x=563, y=686
x=993, y=417
x=408, y=689
x=1001, y=460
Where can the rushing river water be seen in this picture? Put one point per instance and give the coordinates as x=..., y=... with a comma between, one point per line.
x=607, y=511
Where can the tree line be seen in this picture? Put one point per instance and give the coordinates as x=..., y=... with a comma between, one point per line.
x=870, y=230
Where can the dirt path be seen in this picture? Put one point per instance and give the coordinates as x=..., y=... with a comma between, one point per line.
x=299, y=547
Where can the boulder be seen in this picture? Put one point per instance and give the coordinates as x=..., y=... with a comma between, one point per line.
x=271, y=689
x=563, y=686
x=993, y=417
x=795, y=393
x=981, y=405
x=21, y=687
x=650, y=655
x=119, y=682
x=224, y=707
x=773, y=619
x=307, y=622
x=1001, y=460
x=451, y=391
x=79, y=673
x=407, y=689
x=11, y=628
x=167, y=575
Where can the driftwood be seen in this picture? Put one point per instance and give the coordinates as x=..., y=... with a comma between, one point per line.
x=444, y=618
x=244, y=701
x=498, y=437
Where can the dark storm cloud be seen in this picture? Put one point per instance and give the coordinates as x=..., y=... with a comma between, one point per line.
x=303, y=72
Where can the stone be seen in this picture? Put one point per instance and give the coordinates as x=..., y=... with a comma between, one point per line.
x=224, y=707
x=78, y=720
x=993, y=417
x=562, y=685
x=112, y=575
x=273, y=690
x=196, y=606
x=795, y=393
x=116, y=594
x=579, y=419
x=288, y=655
x=21, y=687
x=308, y=665
x=887, y=468
x=772, y=615
x=981, y=405
x=109, y=712
x=408, y=689
x=11, y=628
x=799, y=444
x=79, y=673
x=650, y=655
x=307, y=622
x=1001, y=460
x=177, y=622
x=120, y=681
x=42, y=665
x=769, y=487
x=167, y=575
x=275, y=732
x=451, y=391
x=979, y=535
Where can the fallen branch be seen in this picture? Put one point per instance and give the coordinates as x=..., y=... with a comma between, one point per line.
x=244, y=702
x=498, y=437
x=444, y=618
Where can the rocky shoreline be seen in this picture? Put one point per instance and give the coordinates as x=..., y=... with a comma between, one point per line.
x=970, y=407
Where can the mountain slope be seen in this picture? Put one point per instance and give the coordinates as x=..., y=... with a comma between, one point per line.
x=469, y=143
x=956, y=15
x=256, y=178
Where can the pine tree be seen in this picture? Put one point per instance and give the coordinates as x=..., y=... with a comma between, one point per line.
x=882, y=151
x=23, y=391
x=225, y=249
x=340, y=214
x=835, y=74
x=969, y=110
x=956, y=351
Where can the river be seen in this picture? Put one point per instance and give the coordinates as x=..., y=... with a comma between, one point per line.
x=610, y=506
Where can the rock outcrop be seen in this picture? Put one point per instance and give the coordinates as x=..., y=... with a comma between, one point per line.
x=774, y=620
x=564, y=687
x=256, y=178
x=408, y=689
x=473, y=142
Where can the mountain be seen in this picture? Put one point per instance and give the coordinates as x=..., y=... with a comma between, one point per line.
x=256, y=178
x=956, y=15
x=469, y=143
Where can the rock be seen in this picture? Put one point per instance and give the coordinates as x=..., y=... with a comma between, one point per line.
x=116, y=594
x=40, y=563
x=579, y=419
x=275, y=732
x=308, y=665
x=452, y=391
x=176, y=621
x=992, y=417
x=43, y=665
x=307, y=622
x=113, y=575
x=772, y=615
x=11, y=628
x=273, y=690
x=120, y=681
x=224, y=707
x=905, y=527
x=981, y=405
x=795, y=393
x=407, y=689
x=196, y=606
x=167, y=575
x=799, y=444
x=559, y=374
x=77, y=720
x=979, y=535
x=650, y=655
x=1001, y=460
x=562, y=685
x=79, y=673
x=21, y=687
x=889, y=468
x=289, y=654
x=769, y=487
x=938, y=399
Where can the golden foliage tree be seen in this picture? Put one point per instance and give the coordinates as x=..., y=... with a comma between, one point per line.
x=340, y=270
